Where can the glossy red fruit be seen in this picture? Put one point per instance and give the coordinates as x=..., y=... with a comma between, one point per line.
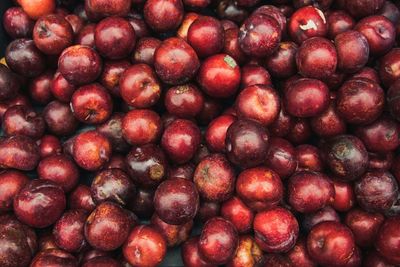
x=191, y=256
x=282, y=63
x=17, y=23
x=276, y=230
x=111, y=75
x=174, y=234
x=81, y=198
x=364, y=226
x=11, y=183
x=97, y=9
x=176, y=201
x=388, y=67
x=330, y=242
x=344, y=196
x=215, y=134
x=181, y=140
x=184, y=101
x=231, y=45
x=253, y=74
x=299, y=256
x=18, y=152
x=91, y=150
x=352, y=51
x=112, y=129
x=23, y=120
x=163, y=15
x=387, y=242
x=61, y=89
x=142, y=204
x=328, y=123
x=326, y=214
x=309, y=158
x=219, y=76
x=108, y=226
x=339, y=21
x=86, y=36
x=215, y=178
x=145, y=246
x=40, y=203
x=59, y=118
x=68, y=231
x=238, y=213
x=145, y=49
x=218, y=241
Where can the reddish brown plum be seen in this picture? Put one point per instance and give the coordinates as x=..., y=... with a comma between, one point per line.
x=281, y=157
x=187, y=21
x=24, y=58
x=163, y=15
x=68, y=231
x=389, y=67
x=114, y=38
x=363, y=8
x=93, y=253
x=144, y=50
x=181, y=140
x=97, y=9
x=139, y=25
x=112, y=129
x=387, y=242
x=300, y=131
x=39, y=88
x=317, y=58
x=18, y=152
x=184, y=101
x=330, y=242
x=11, y=183
x=211, y=109
x=81, y=198
x=139, y=86
x=141, y=126
x=275, y=13
x=381, y=136
x=231, y=45
x=54, y=257
x=19, y=242
x=174, y=234
x=91, y=150
x=368, y=73
x=215, y=134
x=91, y=104
x=260, y=188
x=59, y=118
x=102, y=261
x=374, y=259
x=240, y=215
x=360, y=101
x=80, y=64
x=219, y=76
x=142, y=204
x=191, y=256
x=111, y=75
x=309, y=191
x=339, y=21
x=282, y=63
x=17, y=23
x=40, y=203
x=282, y=124
x=176, y=201
x=61, y=89
x=393, y=100
x=215, y=178
x=108, y=226
x=147, y=165
x=328, y=123
x=306, y=97
x=379, y=32
x=218, y=241
x=52, y=34
x=390, y=11
x=9, y=84
x=364, y=226
x=112, y=185
x=346, y=157
x=258, y=102
x=309, y=158
x=208, y=210
x=352, y=51
x=323, y=215
x=19, y=99
x=248, y=253
x=76, y=23
x=23, y=120
x=275, y=230
x=117, y=161
x=259, y=35
x=380, y=161
x=145, y=246
x=376, y=191
x=86, y=36
x=246, y=143
x=307, y=22
x=227, y=9
x=344, y=198
x=253, y=74
x=60, y=169
x=185, y=171
x=299, y=256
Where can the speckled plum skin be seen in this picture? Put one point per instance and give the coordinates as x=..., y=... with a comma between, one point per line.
x=19, y=152
x=97, y=9
x=352, y=50
x=215, y=178
x=248, y=253
x=276, y=230
x=173, y=234
x=176, y=210
x=240, y=215
x=163, y=15
x=387, y=240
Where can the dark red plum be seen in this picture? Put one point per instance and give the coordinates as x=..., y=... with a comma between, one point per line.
x=275, y=13
x=376, y=191
x=215, y=134
x=11, y=183
x=112, y=129
x=61, y=89
x=231, y=45
x=141, y=126
x=352, y=51
x=390, y=11
x=282, y=124
x=339, y=21
x=228, y=9
x=259, y=35
x=60, y=169
x=163, y=15
x=393, y=99
x=97, y=9
x=54, y=257
x=112, y=185
x=39, y=88
x=191, y=256
x=17, y=23
x=389, y=67
x=142, y=203
x=387, y=242
x=300, y=131
x=139, y=25
x=309, y=158
x=108, y=226
x=114, y=38
x=281, y=157
x=275, y=230
x=238, y=214
x=363, y=8
x=184, y=101
x=299, y=256
x=144, y=50
x=360, y=101
x=23, y=120
x=253, y=74
x=147, y=165
x=102, y=261
x=40, y=203
x=368, y=73
x=18, y=152
x=248, y=253
x=246, y=143
x=174, y=234
x=218, y=241
x=111, y=75
x=282, y=63
x=86, y=36
x=328, y=123
x=9, y=83
x=344, y=196
x=59, y=118
x=214, y=177
x=81, y=198
x=374, y=259
x=326, y=214
x=76, y=22
x=208, y=210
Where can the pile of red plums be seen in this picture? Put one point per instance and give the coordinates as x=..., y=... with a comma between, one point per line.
x=241, y=132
